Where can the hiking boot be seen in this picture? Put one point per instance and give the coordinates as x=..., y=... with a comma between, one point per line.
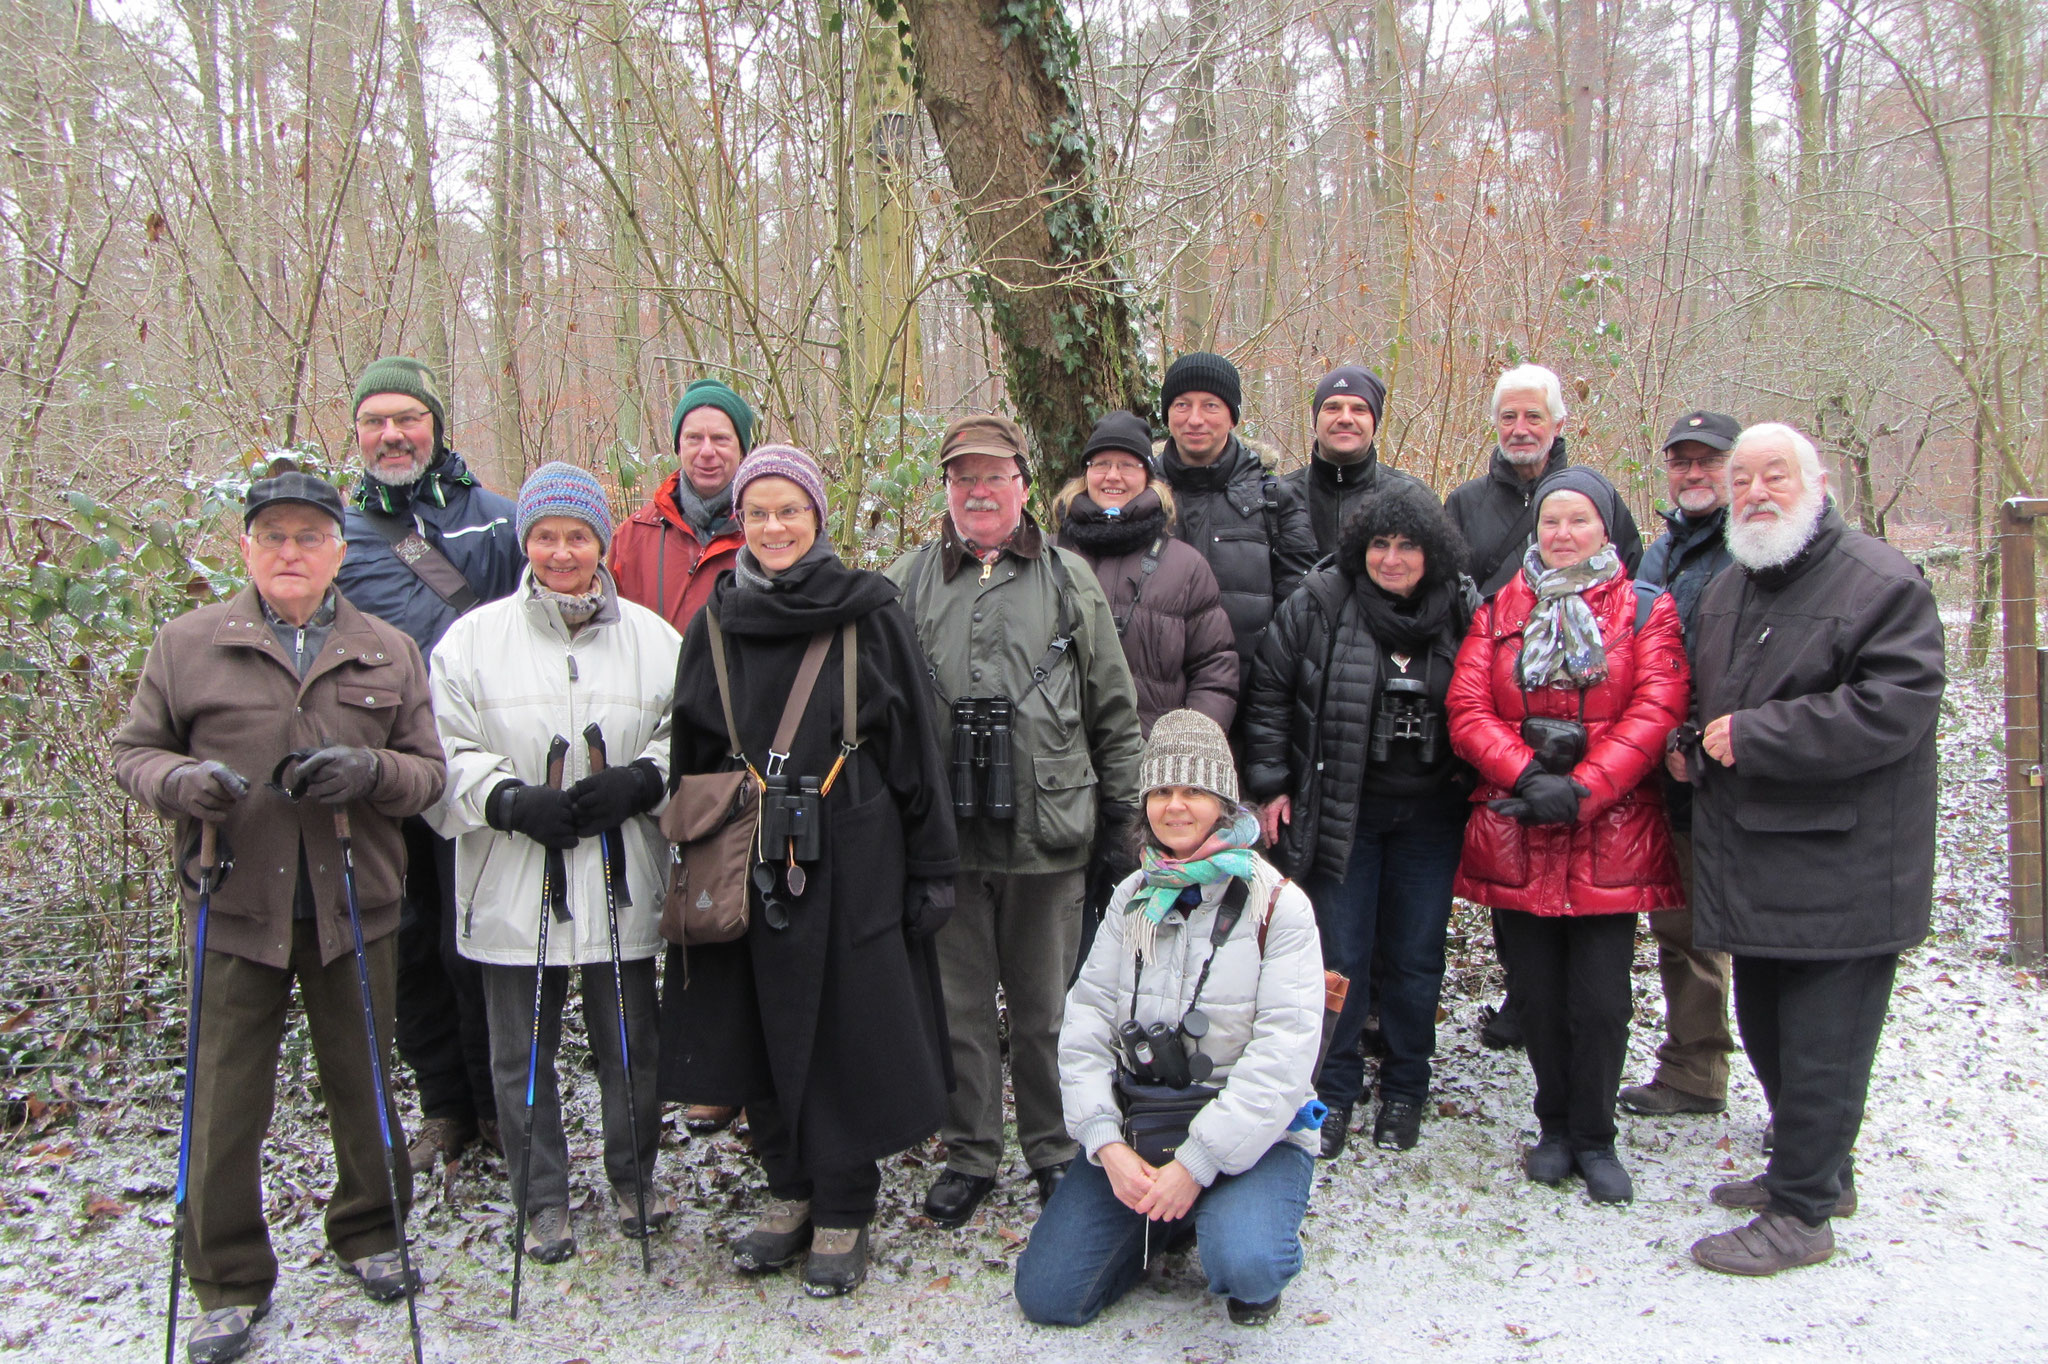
x=440, y=1140
x=626, y=1209
x=1049, y=1177
x=383, y=1276
x=1607, y=1179
x=1398, y=1126
x=1659, y=1100
x=223, y=1333
x=703, y=1119
x=548, y=1238
x=1549, y=1161
x=1499, y=1030
x=1747, y=1195
x=1768, y=1244
x=838, y=1262
x=1253, y=1313
x=1336, y=1130
x=777, y=1238
x=954, y=1197
x=487, y=1133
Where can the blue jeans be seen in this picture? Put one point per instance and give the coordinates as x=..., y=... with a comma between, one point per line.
x=1394, y=902
x=1088, y=1248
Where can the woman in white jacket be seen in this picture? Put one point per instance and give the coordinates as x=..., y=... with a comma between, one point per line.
x=563, y=652
x=1214, y=949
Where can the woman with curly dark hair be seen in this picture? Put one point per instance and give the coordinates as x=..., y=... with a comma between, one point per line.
x=1361, y=797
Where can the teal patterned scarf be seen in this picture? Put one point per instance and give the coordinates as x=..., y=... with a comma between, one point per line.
x=1225, y=853
x=1561, y=642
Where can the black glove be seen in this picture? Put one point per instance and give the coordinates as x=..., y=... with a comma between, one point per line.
x=337, y=774
x=604, y=800
x=1542, y=798
x=927, y=904
x=542, y=813
x=205, y=790
x=1112, y=857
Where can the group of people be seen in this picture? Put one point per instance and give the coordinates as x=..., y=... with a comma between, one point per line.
x=1187, y=778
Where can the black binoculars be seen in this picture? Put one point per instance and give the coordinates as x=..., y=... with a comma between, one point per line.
x=790, y=819
x=1404, y=716
x=1160, y=1054
x=984, y=781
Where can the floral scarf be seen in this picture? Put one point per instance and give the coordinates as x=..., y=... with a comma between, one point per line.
x=1225, y=853
x=1561, y=641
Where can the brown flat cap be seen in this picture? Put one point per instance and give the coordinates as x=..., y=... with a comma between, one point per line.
x=983, y=435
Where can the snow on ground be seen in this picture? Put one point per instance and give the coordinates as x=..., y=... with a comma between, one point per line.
x=1440, y=1253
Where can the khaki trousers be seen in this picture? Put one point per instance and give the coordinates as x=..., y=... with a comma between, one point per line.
x=1697, y=1042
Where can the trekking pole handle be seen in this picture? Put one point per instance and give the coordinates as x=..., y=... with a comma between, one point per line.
x=593, y=741
x=209, y=845
x=558, y=756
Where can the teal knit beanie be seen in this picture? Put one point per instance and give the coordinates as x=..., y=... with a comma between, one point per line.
x=712, y=393
x=402, y=374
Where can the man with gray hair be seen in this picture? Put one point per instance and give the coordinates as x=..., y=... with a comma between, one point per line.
x=1818, y=677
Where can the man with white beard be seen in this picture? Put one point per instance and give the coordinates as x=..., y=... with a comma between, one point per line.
x=1818, y=673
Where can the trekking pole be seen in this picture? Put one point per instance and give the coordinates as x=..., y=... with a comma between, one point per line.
x=553, y=899
x=617, y=892
x=209, y=845
x=383, y=1094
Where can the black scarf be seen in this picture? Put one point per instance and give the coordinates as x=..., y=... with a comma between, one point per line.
x=817, y=592
x=1406, y=625
x=1202, y=478
x=1099, y=535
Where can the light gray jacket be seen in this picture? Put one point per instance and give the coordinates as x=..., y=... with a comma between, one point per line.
x=1265, y=1022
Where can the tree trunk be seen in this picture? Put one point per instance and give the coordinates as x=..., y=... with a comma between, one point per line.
x=999, y=88
x=426, y=223
x=889, y=363
x=1803, y=37
x=511, y=132
x=1748, y=17
x=1194, y=162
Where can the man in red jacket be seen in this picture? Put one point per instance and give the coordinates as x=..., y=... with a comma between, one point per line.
x=668, y=554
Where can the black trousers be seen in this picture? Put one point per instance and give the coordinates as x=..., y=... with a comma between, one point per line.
x=841, y=1198
x=1570, y=975
x=1811, y=1031
x=442, y=1033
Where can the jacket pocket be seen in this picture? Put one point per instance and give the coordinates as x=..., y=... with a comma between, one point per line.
x=366, y=712
x=1622, y=852
x=1063, y=800
x=1796, y=817
x=1794, y=852
x=1496, y=848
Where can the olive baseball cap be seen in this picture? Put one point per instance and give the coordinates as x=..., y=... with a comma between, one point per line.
x=986, y=435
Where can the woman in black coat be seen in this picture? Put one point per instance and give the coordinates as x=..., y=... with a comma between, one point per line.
x=1348, y=754
x=823, y=1018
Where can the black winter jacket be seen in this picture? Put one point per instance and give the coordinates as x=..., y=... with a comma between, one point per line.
x=1330, y=491
x=1685, y=558
x=466, y=521
x=1494, y=515
x=1308, y=716
x=1819, y=842
x=1253, y=530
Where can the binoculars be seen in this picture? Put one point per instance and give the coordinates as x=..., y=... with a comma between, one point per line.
x=984, y=781
x=790, y=819
x=1160, y=1054
x=1403, y=715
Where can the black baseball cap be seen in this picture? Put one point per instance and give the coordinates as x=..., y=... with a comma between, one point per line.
x=1717, y=429
x=293, y=485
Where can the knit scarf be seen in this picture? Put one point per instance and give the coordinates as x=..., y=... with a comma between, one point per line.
x=1561, y=641
x=708, y=516
x=1225, y=853
x=576, y=610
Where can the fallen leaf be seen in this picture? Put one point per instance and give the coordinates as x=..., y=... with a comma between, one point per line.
x=1015, y=1238
x=1315, y=1318
x=1724, y=1144
x=846, y=1354
x=99, y=1205
x=1517, y=1331
x=940, y=1284
x=16, y=1023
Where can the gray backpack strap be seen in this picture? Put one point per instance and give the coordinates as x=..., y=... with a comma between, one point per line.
x=424, y=558
x=1646, y=601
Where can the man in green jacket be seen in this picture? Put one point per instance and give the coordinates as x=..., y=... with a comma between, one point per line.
x=1024, y=654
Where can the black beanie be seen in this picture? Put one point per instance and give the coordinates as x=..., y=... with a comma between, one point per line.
x=1201, y=372
x=1589, y=483
x=1354, y=381
x=1125, y=431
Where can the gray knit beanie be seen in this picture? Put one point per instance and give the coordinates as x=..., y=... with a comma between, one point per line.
x=1187, y=748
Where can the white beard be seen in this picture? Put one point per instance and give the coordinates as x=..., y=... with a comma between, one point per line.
x=1705, y=497
x=1524, y=461
x=1777, y=540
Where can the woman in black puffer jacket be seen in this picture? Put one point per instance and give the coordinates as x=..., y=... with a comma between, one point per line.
x=1169, y=612
x=1349, y=757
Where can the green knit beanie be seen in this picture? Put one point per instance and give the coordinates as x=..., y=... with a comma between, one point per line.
x=401, y=374
x=711, y=393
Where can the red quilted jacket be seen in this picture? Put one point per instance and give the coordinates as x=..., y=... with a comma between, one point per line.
x=1617, y=857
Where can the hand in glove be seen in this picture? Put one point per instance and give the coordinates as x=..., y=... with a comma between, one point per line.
x=542, y=813
x=206, y=790
x=1111, y=858
x=337, y=774
x=1542, y=798
x=604, y=800
x=927, y=904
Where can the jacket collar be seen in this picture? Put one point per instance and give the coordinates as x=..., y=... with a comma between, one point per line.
x=353, y=637
x=1358, y=473
x=546, y=618
x=1687, y=532
x=1027, y=543
x=444, y=474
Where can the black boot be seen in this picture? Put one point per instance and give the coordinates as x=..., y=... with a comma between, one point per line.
x=954, y=1197
x=1398, y=1126
x=1049, y=1177
x=1606, y=1180
x=1549, y=1161
x=1336, y=1130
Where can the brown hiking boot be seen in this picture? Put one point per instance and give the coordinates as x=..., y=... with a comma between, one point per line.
x=838, y=1262
x=777, y=1238
x=439, y=1139
x=1768, y=1244
x=1659, y=1100
x=704, y=1119
x=1747, y=1195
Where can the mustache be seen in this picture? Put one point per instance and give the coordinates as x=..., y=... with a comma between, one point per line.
x=981, y=504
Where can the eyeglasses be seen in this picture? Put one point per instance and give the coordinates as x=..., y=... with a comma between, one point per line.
x=405, y=421
x=970, y=483
x=786, y=516
x=308, y=541
x=1706, y=464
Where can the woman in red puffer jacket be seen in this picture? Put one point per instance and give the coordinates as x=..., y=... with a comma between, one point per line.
x=1568, y=847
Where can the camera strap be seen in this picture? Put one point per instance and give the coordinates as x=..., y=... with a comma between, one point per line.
x=1228, y=912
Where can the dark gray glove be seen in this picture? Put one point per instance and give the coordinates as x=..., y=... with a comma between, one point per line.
x=204, y=790
x=1112, y=857
x=543, y=813
x=927, y=904
x=337, y=774
x=1542, y=798
x=604, y=800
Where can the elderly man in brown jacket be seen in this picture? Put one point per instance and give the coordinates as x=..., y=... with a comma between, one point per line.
x=287, y=666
